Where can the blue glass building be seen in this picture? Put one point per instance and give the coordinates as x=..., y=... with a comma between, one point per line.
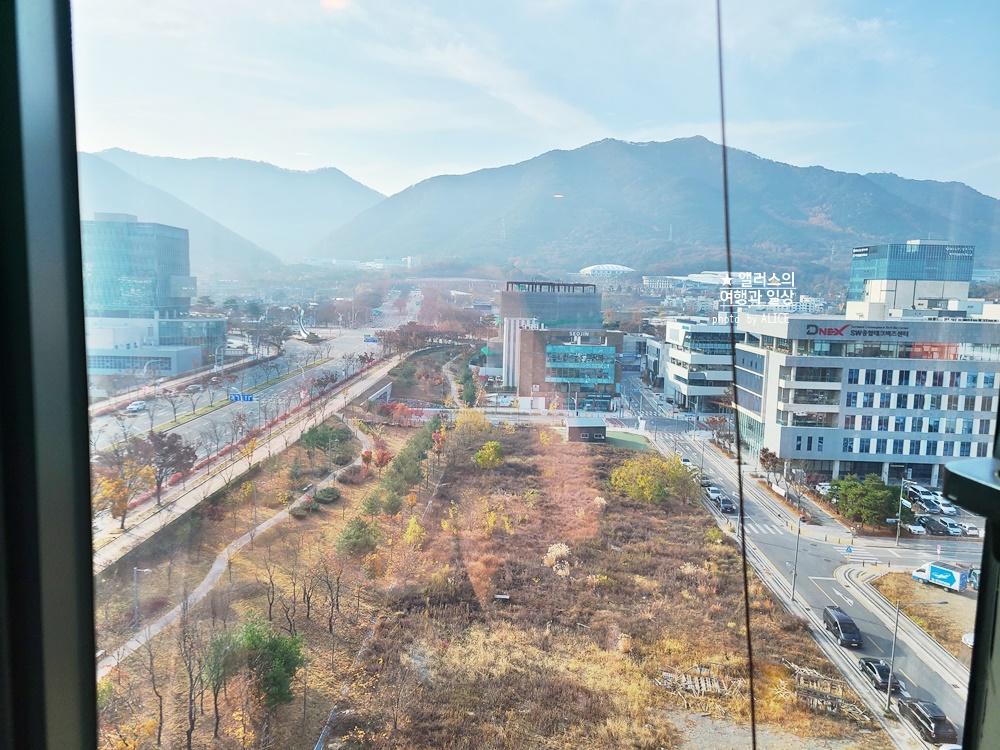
x=917, y=260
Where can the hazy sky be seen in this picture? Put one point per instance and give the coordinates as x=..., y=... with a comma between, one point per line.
x=395, y=91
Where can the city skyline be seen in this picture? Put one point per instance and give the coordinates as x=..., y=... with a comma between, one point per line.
x=397, y=93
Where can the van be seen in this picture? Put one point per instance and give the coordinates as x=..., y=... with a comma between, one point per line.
x=928, y=719
x=842, y=627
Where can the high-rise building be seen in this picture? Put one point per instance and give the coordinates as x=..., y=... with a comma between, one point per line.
x=134, y=269
x=898, y=274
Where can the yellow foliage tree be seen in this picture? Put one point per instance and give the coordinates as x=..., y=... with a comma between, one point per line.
x=470, y=420
x=414, y=534
x=651, y=478
x=490, y=456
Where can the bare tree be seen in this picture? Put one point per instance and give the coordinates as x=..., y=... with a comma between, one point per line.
x=189, y=648
x=268, y=582
x=192, y=397
x=173, y=398
x=148, y=665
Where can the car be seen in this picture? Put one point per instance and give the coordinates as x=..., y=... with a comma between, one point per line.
x=713, y=493
x=928, y=504
x=953, y=528
x=916, y=529
x=936, y=527
x=135, y=407
x=928, y=719
x=726, y=505
x=705, y=481
x=844, y=629
x=943, y=503
x=878, y=673
x=195, y=388
x=823, y=488
x=685, y=461
x=969, y=529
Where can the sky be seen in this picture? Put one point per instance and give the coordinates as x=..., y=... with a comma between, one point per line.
x=393, y=92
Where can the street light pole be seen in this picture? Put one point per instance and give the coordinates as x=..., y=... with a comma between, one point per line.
x=795, y=561
x=135, y=594
x=892, y=658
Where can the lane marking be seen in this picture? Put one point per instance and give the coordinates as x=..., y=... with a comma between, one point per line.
x=912, y=682
x=876, y=646
x=843, y=596
x=832, y=600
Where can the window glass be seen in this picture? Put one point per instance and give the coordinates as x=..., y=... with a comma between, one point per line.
x=988, y=379
x=938, y=379
x=904, y=377
x=869, y=400
x=852, y=377
x=870, y=377
x=866, y=422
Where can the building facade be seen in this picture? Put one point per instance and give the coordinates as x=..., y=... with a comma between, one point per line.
x=135, y=269
x=901, y=273
x=570, y=369
x=696, y=364
x=841, y=396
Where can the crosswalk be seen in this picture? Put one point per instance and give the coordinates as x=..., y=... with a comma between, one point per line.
x=857, y=554
x=755, y=527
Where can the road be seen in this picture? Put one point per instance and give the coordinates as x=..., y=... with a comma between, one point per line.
x=819, y=580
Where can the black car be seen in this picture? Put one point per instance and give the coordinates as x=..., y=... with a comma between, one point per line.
x=928, y=719
x=934, y=526
x=726, y=505
x=878, y=673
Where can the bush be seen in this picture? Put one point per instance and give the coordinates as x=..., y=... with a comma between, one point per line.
x=309, y=505
x=327, y=495
x=354, y=475
x=298, y=512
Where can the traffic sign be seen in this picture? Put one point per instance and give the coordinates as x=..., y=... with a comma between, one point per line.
x=939, y=549
x=849, y=550
x=241, y=397
x=907, y=503
x=890, y=520
x=371, y=340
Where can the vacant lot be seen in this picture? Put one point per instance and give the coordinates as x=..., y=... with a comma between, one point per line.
x=422, y=378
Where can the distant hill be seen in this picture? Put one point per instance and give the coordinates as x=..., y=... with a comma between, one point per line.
x=658, y=208
x=215, y=250
x=285, y=211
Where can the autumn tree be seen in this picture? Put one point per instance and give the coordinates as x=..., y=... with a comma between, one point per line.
x=382, y=459
x=770, y=463
x=358, y=538
x=650, y=478
x=123, y=473
x=490, y=456
x=415, y=533
x=169, y=455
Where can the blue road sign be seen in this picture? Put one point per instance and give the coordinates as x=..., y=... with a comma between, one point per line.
x=235, y=396
x=247, y=397
x=241, y=397
x=371, y=340
x=849, y=550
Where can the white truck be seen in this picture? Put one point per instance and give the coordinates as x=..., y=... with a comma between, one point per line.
x=946, y=575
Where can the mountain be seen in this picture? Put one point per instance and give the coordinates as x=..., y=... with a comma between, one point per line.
x=215, y=250
x=657, y=207
x=285, y=211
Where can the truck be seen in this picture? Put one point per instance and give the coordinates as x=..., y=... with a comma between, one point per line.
x=946, y=575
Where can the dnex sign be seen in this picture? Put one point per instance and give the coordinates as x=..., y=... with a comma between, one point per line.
x=814, y=330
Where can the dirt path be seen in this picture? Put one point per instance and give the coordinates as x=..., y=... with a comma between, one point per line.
x=700, y=732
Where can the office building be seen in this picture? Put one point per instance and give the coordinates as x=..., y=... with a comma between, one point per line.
x=899, y=274
x=695, y=363
x=137, y=300
x=846, y=396
x=569, y=369
x=536, y=305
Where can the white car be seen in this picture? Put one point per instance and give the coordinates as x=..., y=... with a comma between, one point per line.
x=136, y=406
x=685, y=461
x=713, y=493
x=944, y=504
x=823, y=488
x=916, y=529
x=969, y=529
x=953, y=528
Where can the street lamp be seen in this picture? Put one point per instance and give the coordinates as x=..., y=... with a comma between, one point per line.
x=795, y=561
x=892, y=652
x=222, y=366
x=135, y=594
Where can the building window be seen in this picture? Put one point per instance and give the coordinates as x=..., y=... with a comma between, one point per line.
x=987, y=404
x=849, y=422
x=988, y=379
x=949, y=426
x=982, y=450
x=948, y=448
x=938, y=379
x=968, y=403
x=880, y=445
x=931, y=448
x=902, y=400
x=966, y=426
x=933, y=424
x=883, y=424
x=864, y=445
x=965, y=449
x=869, y=400
x=917, y=424
x=921, y=377
x=954, y=378
x=819, y=445
x=886, y=377
x=884, y=400
x=984, y=426
x=866, y=422
x=852, y=398
x=897, y=447
x=918, y=401
x=904, y=377
x=951, y=403
x=798, y=442
x=852, y=377
x=848, y=446
x=970, y=379
x=870, y=377
x=900, y=424
x=809, y=443
x=935, y=403
x=914, y=447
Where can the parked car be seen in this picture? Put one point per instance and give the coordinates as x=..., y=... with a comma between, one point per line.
x=935, y=526
x=928, y=504
x=916, y=529
x=838, y=622
x=953, y=528
x=136, y=406
x=928, y=719
x=944, y=504
x=878, y=673
x=969, y=529
x=713, y=492
x=823, y=488
x=705, y=480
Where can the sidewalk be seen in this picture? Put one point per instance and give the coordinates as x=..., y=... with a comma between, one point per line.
x=150, y=518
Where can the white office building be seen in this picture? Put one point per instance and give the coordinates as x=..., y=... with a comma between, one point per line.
x=846, y=396
x=695, y=363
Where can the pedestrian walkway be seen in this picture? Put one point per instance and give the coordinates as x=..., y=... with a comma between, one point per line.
x=857, y=554
x=765, y=528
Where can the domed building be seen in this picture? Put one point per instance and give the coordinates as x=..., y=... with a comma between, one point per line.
x=606, y=271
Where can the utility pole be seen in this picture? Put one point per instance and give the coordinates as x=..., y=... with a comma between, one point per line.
x=795, y=561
